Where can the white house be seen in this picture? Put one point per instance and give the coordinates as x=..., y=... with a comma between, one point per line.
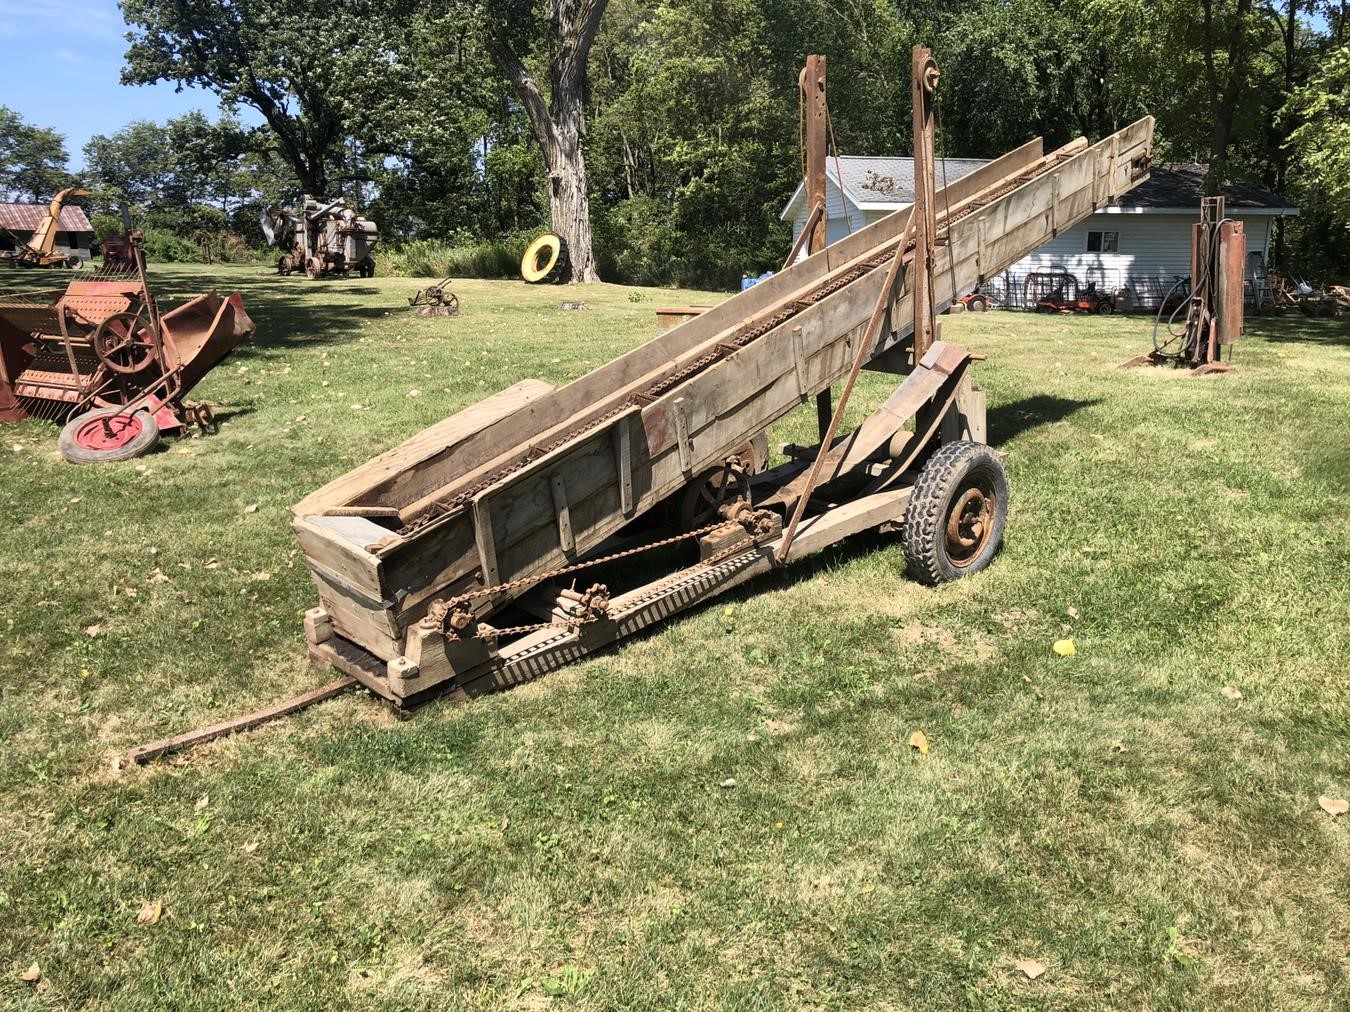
x=1136, y=247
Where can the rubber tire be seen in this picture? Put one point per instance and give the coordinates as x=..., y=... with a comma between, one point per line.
x=367, y=269
x=74, y=263
x=942, y=477
x=146, y=441
x=530, y=270
x=1105, y=308
x=979, y=304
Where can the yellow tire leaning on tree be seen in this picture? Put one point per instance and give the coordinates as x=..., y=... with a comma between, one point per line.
x=541, y=257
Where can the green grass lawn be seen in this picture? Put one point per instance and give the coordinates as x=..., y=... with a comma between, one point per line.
x=1150, y=840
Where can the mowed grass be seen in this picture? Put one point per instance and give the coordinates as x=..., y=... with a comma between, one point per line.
x=1152, y=842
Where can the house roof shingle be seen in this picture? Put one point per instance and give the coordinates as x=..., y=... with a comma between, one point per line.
x=27, y=217
x=891, y=180
x=1183, y=184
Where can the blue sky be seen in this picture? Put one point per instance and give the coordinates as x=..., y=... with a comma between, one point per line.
x=64, y=58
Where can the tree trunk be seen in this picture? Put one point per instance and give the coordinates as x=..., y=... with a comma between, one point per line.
x=568, y=200
x=560, y=123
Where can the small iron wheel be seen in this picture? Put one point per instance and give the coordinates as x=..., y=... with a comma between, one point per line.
x=125, y=343
x=313, y=268
x=956, y=513
x=284, y=265
x=704, y=497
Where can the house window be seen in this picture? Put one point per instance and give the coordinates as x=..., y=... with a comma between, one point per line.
x=1103, y=242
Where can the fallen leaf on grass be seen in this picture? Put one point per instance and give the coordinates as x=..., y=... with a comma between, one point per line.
x=92, y=630
x=1064, y=648
x=212, y=563
x=251, y=508
x=919, y=740
x=1229, y=692
x=728, y=782
x=202, y=802
x=1030, y=967
x=414, y=392
x=32, y=975
x=1333, y=806
x=262, y=575
x=150, y=912
x=158, y=576
x=18, y=448
x=249, y=847
x=1073, y=613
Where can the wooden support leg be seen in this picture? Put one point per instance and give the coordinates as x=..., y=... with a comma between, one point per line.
x=824, y=412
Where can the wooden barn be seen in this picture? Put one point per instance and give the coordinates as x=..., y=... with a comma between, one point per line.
x=1134, y=248
x=18, y=222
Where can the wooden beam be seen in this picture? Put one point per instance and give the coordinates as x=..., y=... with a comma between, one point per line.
x=143, y=754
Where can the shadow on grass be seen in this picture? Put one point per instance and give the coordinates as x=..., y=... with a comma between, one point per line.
x=1299, y=329
x=1008, y=421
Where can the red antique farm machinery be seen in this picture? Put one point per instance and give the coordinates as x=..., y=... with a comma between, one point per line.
x=100, y=357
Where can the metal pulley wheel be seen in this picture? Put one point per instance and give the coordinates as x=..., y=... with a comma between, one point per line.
x=125, y=343
x=703, y=499
x=541, y=258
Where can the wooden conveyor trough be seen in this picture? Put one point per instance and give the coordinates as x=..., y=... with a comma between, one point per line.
x=427, y=557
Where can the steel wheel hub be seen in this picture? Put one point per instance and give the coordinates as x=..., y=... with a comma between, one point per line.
x=109, y=432
x=970, y=523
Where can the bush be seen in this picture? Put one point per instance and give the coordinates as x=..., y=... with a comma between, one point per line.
x=166, y=248
x=426, y=258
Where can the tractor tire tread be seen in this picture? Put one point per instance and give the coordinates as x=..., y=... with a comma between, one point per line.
x=925, y=515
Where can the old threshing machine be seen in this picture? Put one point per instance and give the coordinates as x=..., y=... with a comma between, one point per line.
x=321, y=239
x=101, y=357
x=41, y=251
x=520, y=534
x=1212, y=297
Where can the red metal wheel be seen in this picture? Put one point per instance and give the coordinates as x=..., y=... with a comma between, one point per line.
x=108, y=434
x=125, y=344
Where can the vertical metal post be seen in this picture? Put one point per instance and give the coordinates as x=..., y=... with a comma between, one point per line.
x=816, y=128
x=922, y=88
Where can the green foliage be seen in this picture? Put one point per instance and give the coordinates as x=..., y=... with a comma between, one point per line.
x=1323, y=138
x=427, y=258
x=167, y=247
x=32, y=159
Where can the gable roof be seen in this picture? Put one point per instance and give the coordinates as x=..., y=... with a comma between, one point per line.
x=1179, y=187
x=27, y=217
x=887, y=184
x=882, y=183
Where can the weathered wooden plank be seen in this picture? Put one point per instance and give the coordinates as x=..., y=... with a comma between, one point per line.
x=143, y=754
x=402, y=465
x=850, y=518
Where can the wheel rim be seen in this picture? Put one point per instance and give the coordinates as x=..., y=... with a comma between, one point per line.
x=125, y=344
x=970, y=522
x=108, y=432
x=703, y=501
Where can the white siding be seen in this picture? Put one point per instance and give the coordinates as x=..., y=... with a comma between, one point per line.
x=1153, y=249
x=842, y=218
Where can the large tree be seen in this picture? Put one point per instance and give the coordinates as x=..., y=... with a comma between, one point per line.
x=32, y=159
x=516, y=31
x=294, y=61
